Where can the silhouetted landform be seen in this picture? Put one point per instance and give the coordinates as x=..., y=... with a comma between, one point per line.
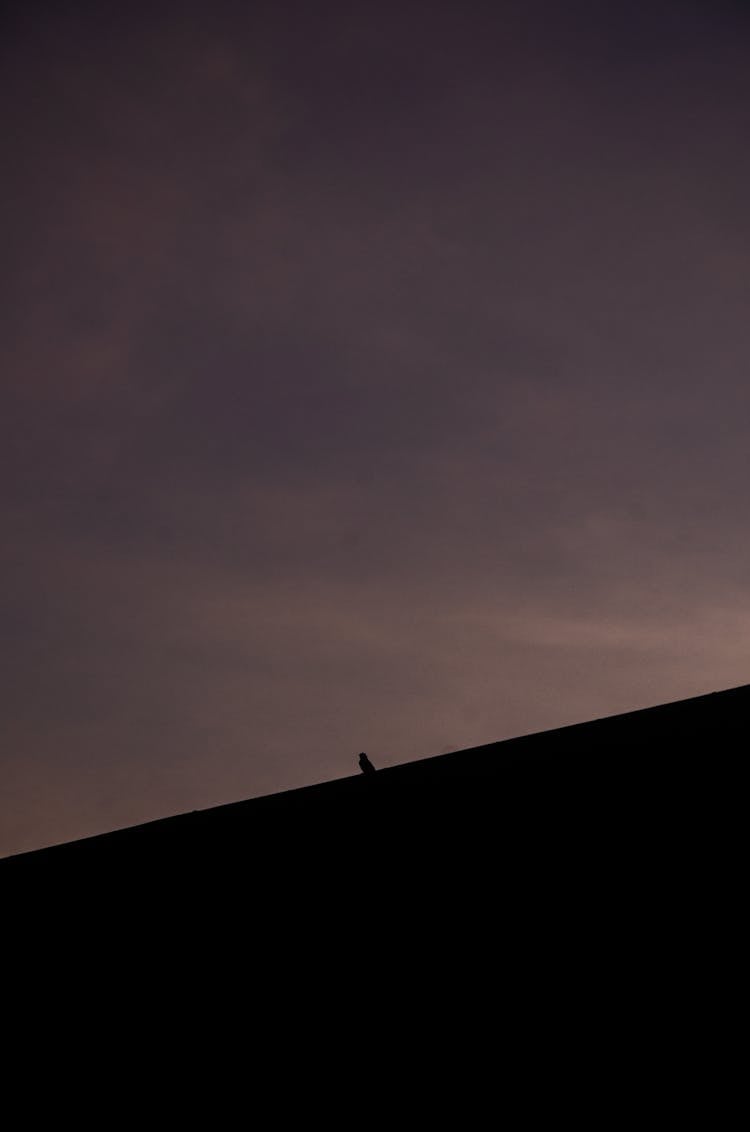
x=617, y=789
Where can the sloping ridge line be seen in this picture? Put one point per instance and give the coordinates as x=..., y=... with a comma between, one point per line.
x=486, y=760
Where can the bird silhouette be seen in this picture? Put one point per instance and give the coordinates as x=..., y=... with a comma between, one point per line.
x=365, y=765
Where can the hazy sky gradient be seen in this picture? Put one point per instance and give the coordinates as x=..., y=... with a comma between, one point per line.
x=374, y=376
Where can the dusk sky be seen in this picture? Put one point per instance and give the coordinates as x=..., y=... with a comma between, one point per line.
x=374, y=377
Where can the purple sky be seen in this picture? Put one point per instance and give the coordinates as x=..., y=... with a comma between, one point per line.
x=374, y=376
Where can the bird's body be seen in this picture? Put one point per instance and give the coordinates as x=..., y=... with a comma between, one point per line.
x=365, y=765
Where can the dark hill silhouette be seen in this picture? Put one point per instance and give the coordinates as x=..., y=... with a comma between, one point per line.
x=626, y=784
x=555, y=914
x=579, y=888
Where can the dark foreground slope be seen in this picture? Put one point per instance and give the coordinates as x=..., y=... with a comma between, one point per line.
x=646, y=782
x=555, y=915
